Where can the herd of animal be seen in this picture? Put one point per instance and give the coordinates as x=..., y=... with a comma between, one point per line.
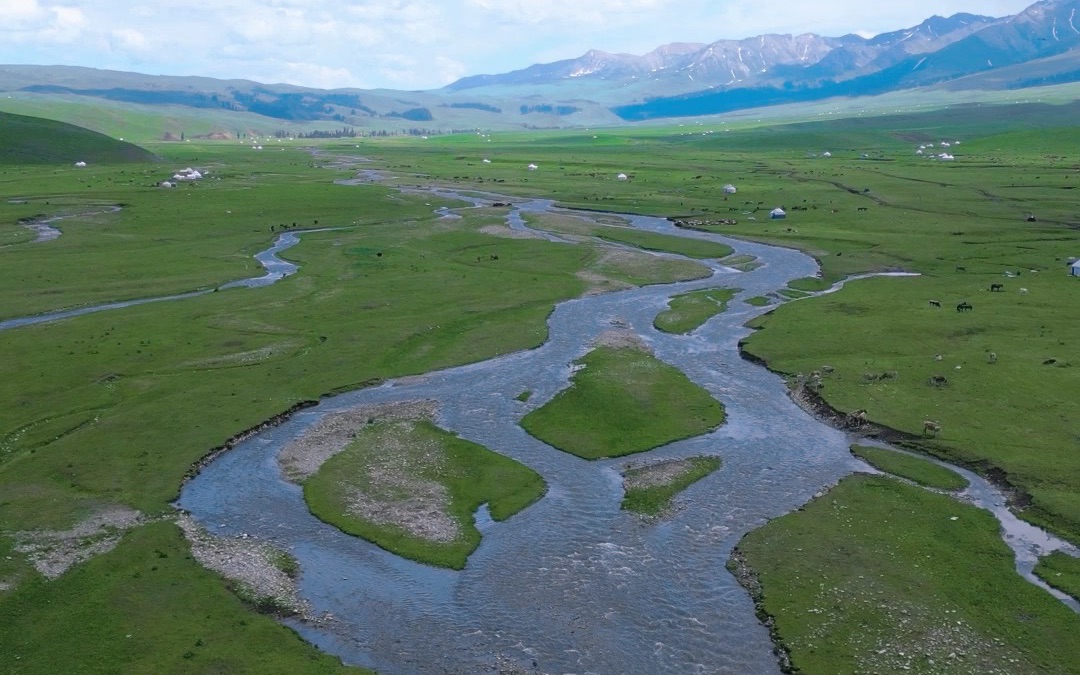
x=966, y=306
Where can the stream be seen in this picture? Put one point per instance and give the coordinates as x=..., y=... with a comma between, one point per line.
x=572, y=584
x=274, y=267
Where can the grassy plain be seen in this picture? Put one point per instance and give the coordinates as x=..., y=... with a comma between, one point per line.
x=649, y=491
x=402, y=467
x=690, y=310
x=921, y=471
x=114, y=408
x=145, y=607
x=1062, y=571
x=880, y=576
x=623, y=401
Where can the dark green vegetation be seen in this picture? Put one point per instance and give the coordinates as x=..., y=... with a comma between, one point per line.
x=145, y=607
x=650, y=489
x=880, y=576
x=623, y=401
x=758, y=301
x=688, y=311
x=32, y=140
x=921, y=471
x=391, y=466
x=1062, y=571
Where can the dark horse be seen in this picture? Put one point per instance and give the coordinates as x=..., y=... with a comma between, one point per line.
x=964, y=306
x=997, y=287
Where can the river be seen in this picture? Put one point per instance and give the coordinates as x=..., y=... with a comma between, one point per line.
x=572, y=584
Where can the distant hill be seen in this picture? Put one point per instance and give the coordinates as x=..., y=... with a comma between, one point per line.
x=33, y=140
x=964, y=51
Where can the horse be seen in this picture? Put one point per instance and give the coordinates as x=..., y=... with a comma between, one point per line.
x=994, y=288
x=930, y=427
x=991, y=357
x=961, y=268
x=964, y=306
x=935, y=303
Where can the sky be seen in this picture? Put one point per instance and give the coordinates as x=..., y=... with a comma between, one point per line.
x=411, y=44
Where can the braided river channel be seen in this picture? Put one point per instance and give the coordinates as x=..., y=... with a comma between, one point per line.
x=572, y=584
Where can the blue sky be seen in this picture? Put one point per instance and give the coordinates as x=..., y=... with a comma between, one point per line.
x=410, y=44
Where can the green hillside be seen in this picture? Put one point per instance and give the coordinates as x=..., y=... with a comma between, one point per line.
x=32, y=140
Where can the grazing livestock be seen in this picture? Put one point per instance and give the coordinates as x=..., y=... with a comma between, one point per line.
x=994, y=288
x=961, y=268
x=930, y=427
x=1023, y=291
x=937, y=381
x=935, y=303
x=855, y=419
x=964, y=307
x=991, y=357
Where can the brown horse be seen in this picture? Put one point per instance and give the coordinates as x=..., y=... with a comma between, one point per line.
x=931, y=427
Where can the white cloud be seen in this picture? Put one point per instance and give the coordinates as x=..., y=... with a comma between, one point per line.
x=30, y=20
x=569, y=11
x=128, y=39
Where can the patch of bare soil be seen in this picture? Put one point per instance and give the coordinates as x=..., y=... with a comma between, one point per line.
x=627, y=260
x=253, y=564
x=663, y=472
x=621, y=338
x=398, y=494
x=598, y=283
x=53, y=552
x=509, y=233
x=303, y=456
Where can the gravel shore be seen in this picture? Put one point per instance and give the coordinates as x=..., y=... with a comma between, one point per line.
x=303, y=456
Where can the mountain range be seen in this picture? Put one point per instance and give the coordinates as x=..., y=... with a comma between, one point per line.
x=963, y=51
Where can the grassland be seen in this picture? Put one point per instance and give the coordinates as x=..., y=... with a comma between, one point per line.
x=921, y=471
x=651, y=488
x=32, y=140
x=1062, y=571
x=690, y=310
x=651, y=241
x=623, y=401
x=145, y=607
x=880, y=576
x=394, y=470
x=115, y=408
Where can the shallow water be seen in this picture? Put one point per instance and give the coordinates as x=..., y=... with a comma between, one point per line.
x=571, y=584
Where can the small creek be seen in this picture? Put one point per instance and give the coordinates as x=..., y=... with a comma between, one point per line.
x=571, y=584
x=275, y=269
